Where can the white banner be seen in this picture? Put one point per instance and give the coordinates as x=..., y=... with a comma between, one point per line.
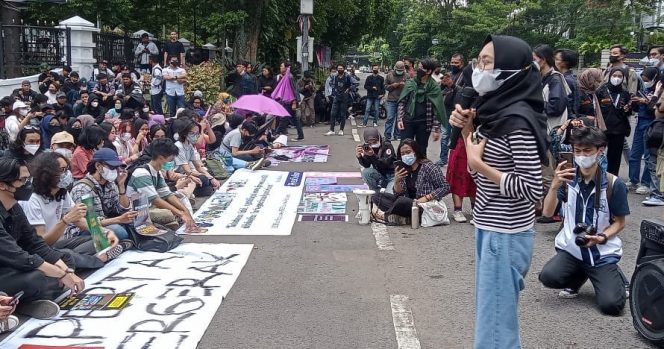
x=176, y=295
x=252, y=203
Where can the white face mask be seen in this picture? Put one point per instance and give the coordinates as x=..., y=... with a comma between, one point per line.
x=586, y=162
x=649, y=84
x=616, y=81
x=65, y=152
x=23, y=112
x=125, y=136
x=145, y=110
x=485, y=81
x=375, y=145
x=109, y=175
x=65, y=180
x=94, y=104
x=118, y=106
x=31, y=148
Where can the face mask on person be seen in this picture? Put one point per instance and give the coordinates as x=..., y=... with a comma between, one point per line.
x=586, y=162
x=613, y=59
x=118, y=106
x=66, y=179
x=65, y=152
x=146, y=109
x=484, y=81
x=408, y=159
x=420, y=74
x=375, y=145
x=23, y=112
x=616, y=81
x=174, y=63
x=31, y=148
x=192, y=139
x=454, y=69
x=649, y=84
x=94, y=104
x=651, y=62
x=375, y=71
x=23, y=192
x=55, y=129
x=125, y=137
x=109, y=175
x=168, y=166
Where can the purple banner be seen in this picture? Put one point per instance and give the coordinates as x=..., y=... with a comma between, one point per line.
x=294, y=179
x=340, y=188
x=323, y=218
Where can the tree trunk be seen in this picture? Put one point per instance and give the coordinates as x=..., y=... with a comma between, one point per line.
x=253, y=28
x=10, y=43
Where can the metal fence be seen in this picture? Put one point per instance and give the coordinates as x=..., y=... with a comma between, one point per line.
x=117, y=48
x=24, y=48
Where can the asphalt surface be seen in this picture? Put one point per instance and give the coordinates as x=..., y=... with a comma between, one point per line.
x=328, y=285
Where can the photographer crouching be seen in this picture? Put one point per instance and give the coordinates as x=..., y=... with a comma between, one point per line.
x=377, y=157
x=588, y=246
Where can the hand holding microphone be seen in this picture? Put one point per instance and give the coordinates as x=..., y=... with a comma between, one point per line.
x=462, y=116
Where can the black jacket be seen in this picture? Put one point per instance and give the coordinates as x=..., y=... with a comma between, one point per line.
x=20, y=246
x=377, y=81
x=269, y=81
x=615, y=116
x=383, y=161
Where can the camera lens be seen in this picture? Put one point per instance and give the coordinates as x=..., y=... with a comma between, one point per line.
x=580, y=228
x=581, y=241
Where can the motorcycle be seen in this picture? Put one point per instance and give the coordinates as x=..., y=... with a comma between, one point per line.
x=359, y=104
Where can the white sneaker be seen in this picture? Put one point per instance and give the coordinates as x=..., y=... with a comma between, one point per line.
x=472, y=222
x=330, y=133
x=630, y=185
x=568, y=293
x=459, y=217
x=375, y=125
x=653, y=201
x=341, y=133
x=8, y=325
x=643, y=190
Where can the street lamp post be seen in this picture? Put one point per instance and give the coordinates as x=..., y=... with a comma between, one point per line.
x=306, y=11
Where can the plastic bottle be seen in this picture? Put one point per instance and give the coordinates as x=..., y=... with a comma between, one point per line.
x=415, y=215
x=98, y=237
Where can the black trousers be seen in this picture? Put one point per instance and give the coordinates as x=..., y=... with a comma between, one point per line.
x=614, y=150
x=392, y=204
x=418, y=132
x=338, y=113
x=82, y=251
x=34, y=283
x=282, y=127
x=565, y=271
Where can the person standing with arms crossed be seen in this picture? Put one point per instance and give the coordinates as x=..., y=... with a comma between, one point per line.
x=506, y=146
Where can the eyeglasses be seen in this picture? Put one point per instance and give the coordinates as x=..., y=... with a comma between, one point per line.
x=64, y=169
x=25, y=180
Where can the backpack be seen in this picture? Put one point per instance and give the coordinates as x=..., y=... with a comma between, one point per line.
x=655, y=134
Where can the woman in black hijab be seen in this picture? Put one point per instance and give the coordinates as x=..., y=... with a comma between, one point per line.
x=616, y=108
x=506, y=145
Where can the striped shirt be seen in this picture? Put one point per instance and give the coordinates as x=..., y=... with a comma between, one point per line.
x=509, y=207
x=146, y=181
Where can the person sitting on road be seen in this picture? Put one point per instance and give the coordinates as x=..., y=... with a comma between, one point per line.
x=588, y=247
x=147, y=180
x=27, y=263
x=416, y=178
x=8, y=322
x=55, y=217
x=188, y=161
x=228, y=131
x=377, y=159
x=234, y=143
x=111, y=203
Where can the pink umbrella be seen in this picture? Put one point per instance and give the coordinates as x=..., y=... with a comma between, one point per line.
x=284, y=91
x=261, y=105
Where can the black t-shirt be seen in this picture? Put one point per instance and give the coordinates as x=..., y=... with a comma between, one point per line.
x=173, y=49
x=420, y=112
x=411, y=180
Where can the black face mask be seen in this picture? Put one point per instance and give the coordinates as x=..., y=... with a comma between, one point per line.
x=420, y=74
x=24, y=192
x=55, y=129
x=75, y=132
x=340, y=72
x=454, y=69
x=375, y=71
x=613, y=59
x=175, y=64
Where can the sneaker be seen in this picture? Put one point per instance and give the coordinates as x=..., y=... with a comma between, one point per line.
x=41, y=309
x=630, y=185
x=9, y=324
x=568, y=293
x=361, y=125
x=341, y=133
x=255, y=165
x=653, y=201
x=296, y=139
x=643, y=190
x=441, y=163
x=375, y=125
x=472, y=222
x=330, y=133
x=267, y=163
x=459, y=217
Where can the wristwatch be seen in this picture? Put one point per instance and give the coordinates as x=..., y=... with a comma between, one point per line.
x=606, y=238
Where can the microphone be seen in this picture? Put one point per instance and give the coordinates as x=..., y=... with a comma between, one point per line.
x=468, y=95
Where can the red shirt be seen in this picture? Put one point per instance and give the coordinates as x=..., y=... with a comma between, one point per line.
x=79, y=162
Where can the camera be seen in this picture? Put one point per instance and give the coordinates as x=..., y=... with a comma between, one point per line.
x=581, y=230
x=366, y=147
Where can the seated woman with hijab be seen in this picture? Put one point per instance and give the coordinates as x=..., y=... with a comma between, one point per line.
x=416, y=178
x=377, y=158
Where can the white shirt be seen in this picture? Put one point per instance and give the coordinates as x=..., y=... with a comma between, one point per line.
x=42, y=211
x=186, y=156
x=157, y=78
x=11, y=125
x=173, y=87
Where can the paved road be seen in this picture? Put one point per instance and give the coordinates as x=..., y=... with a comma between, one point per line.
x=329, y=286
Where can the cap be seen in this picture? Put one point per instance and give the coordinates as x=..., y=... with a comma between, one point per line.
x=198, y=94
x=19, y=104
x=60, y=94
x=217, y=120
x=107, y=156
x=45, y=106
x=62, y=137
x=25, y=82
x=399, y=66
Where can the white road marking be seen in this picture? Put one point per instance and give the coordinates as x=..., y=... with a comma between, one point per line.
x=356, y=137
x=382, y=237
x=404, y=323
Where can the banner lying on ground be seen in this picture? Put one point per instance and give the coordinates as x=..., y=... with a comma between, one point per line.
x=251, y=203
x=300, y=153
x=176, y=294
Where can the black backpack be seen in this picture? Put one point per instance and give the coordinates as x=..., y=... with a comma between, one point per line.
x=655, y=134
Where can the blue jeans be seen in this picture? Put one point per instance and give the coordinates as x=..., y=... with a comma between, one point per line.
x=174, y=102
x=155, y=103
x=391, y=128
x=502, y=262
x=651, y=168
x=636, y=155
x=375, y=104
x=119, y=231
x=375, y=180
x=444, y=143
x=230, y=163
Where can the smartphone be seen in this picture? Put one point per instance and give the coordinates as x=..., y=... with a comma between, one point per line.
x=16, y=298
x=566, y=156
x=401, y=164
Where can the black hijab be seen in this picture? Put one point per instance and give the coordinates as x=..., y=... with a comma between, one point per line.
x=615, y=89
x=518, y=103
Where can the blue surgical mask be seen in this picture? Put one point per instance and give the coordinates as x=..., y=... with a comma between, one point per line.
x=408, y=159
x=168, y=166
x=192, y=139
